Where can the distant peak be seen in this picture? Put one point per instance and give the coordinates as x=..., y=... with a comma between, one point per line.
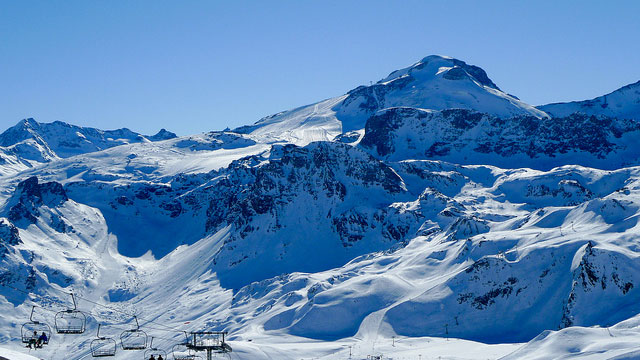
x=435, y=57
x=27, y=123
x=31, y=123
x=459, y=66
x=163, y=134
x=450, y=68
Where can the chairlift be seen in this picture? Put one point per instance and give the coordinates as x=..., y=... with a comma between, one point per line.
x=182, y=351
x=134, y=339
x=103, y=346
x=32, y=330
x=155, y=352
x=209, y=341
x=71, y=321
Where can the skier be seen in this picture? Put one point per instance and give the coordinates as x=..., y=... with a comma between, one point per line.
x=42, y=340
x=152, y=357
x=160, y=357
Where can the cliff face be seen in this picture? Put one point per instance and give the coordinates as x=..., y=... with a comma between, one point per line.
x=469, y=137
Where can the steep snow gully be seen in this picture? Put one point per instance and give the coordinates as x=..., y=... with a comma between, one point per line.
x=428, y=215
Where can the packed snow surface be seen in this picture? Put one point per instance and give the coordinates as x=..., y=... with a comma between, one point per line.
x=15, y=355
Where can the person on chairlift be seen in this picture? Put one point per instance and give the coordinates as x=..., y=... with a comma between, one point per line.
x=42, y=340
x=33, y=341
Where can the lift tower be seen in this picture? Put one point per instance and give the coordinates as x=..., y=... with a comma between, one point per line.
x=209, y=341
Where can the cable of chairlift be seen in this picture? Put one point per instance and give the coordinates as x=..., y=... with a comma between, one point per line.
x=103, y=317
x=168, y=328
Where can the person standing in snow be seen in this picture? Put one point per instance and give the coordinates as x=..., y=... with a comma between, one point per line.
x=152, y=357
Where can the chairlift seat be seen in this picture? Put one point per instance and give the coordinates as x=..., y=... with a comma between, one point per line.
x=103, y=346
x=28, y=329
x=133, y=340
x=70, y=322
x=182, y=352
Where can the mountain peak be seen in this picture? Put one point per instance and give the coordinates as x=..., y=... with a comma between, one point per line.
x=436, y=82
x=163, y=134
x=24, y=129
x=28, y=122
x=445, y=66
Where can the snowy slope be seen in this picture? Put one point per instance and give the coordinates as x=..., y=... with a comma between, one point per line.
x=408, y=241
x=11, y=163
x=623, y=103
x=479, y=241
x=131, y=184
x=435, y=82
x=618, y=342
x=14, y=355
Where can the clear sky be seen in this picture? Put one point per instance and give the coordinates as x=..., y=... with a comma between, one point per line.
x=195, y=66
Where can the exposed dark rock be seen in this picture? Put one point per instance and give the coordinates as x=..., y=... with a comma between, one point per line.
x=9, y=236
x=30, y=195
x=163, y=134
x=403, y=133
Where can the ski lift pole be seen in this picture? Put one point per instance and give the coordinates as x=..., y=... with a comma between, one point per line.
x=75, y=306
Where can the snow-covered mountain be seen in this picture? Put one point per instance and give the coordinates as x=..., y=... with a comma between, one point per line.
x=623, y=103
x=435, y=82
x=428, y=216
x=29, y=142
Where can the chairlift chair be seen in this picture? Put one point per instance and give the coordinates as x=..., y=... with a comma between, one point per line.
x=71, y=321
x=182, y=351
x=32, y=330
x=134, y=339
x=103, y=346
x=155, y=352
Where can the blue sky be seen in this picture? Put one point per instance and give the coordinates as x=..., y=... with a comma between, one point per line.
x=195, y=66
